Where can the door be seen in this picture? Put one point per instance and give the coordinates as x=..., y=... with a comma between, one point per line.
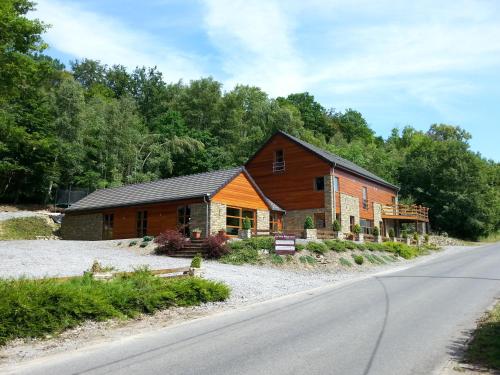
x=319, y=220
x=107, y=226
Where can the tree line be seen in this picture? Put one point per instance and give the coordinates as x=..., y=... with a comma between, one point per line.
x=93, y=126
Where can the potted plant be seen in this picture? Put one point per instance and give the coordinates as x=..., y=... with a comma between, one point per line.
x=246, y=231
x=196, y=234
x=392, y=234
x=310, y=232
x=337, y=229
x=356, y=229
x=376, y=234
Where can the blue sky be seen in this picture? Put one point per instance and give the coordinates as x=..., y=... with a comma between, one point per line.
x=397, y=62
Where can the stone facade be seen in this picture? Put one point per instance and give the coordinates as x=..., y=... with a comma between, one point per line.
x=377, y=214
x=262, y=220
x=294, y=219
x=217, y=217
x=199, y=217
x=329, y=202
x=82, y=227
x=349, y=206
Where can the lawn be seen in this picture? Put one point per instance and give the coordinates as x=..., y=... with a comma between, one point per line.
x=484, y=349
x=25, y=228
x=36, y=308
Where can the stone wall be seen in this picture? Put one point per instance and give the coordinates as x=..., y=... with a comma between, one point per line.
x=82, y=227
x=199, y=217
x=377, y=214
x=294, y=219
x=349, y=206
x=329, y=202
x=262, y=220
x=217, y=217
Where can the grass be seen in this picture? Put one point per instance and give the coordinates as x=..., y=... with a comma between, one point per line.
x=317, y=247
x=276, y=259
x=25, y=228
x=484, y=349
x=345, y=262
x=307, y=259
x=36, y=308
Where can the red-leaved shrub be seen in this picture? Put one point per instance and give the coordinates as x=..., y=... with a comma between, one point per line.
x=215, y=245
x=170, y=241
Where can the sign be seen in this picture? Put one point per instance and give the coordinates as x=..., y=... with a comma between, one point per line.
x=284, y=244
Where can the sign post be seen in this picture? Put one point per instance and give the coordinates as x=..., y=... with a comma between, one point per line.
x=284, y=244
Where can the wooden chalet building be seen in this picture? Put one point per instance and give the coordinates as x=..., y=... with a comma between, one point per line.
x=284, y=182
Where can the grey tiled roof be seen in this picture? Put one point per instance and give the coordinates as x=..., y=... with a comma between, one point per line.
x=175, y=188
x=340, y=162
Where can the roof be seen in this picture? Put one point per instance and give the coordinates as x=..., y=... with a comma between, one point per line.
x=337, y=161
x=170, y=189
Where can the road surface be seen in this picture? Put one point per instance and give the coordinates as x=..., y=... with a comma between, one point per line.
x=406, y=322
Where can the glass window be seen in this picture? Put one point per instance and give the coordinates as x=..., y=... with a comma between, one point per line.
x=319, y=184
x=366, y=226
x=142, y=223
x=230, y=211
x=234, y=219
x=183, y=219
x=278, y=156
x=279, y=161
x=336, y=184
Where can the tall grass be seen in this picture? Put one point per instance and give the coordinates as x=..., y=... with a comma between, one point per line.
x=25, y=228
x=35, y=308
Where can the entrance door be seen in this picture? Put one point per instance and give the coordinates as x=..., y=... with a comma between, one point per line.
x=107, y=226
x=319, y=220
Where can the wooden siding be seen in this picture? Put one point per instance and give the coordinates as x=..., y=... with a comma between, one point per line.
x=161, y=216
x=240, y=193
x=292, y=189
x=353, y=185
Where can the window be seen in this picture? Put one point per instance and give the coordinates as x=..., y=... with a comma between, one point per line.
x=393, y=200
x=234, y=219
x=319, y=183
x=279, y=161
x=319, y=220
x=336, y=184
x=142, y=223
x=366, y=226
x=365, y=198
x=275, y=222
x=352, y=222
x=107, y=226
x=183, y=219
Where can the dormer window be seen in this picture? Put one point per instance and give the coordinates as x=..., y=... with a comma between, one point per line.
x=279, y=161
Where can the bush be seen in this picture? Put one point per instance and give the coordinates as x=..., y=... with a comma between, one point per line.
x=350, y=245
x=415, y=236
x=373, y=246
x=335, y=245
x=216, y=246
x=376, y=231
x=132, y=243
x=317, y=247
x=144, y=244
x=426, y=238
x=401, y=249
x=246, y=224
x=169, y=241
x=50, y=306
x=360, y=246
x=276, y=259
x=392, y=234
x=308, y=223
x=260, y=243
x=358, y=259
x=356, y=229
x=240, y=254
x=299, y=247
x=345, y=262
x=307, y=259
x=147, y=238
x=196, y=261
x=404, y=234
x=336, y=226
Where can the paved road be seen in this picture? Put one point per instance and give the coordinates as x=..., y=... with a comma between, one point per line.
x=406, y=322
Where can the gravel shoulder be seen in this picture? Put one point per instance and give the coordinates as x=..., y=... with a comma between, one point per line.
x=249, y=284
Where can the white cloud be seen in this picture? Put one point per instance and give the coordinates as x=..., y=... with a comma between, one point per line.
x=84, y=34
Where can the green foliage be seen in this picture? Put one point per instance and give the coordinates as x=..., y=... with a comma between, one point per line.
x=196, y=261
x=350, y=245
x=241, y=252
x=392, y=233
x=247, y=224
x=132, y=243
x=299, y=247
x=144, y=244
x=260, y=242
x=51, y=306
x=404, y=234
x=307, y=259
x=308, y=223
x=344, y=262
x=373, y=246
x=376, y=231
x=415, y=236
x=317, y=247
x=356, y=229
x=276, y=259
x=25, y=228
x=147, y=238
x=401, y=249
x=336, y=226
x=335, y=245
x=426, y=238
x=358, y=259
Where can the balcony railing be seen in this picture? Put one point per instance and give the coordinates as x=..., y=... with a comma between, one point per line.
x=279, y=166
x=404, y=211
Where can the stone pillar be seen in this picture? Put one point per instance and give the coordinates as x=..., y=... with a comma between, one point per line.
x=329, y=202
x=377, y=214
x=217, y=217
x=349, y=206
x=263, y=220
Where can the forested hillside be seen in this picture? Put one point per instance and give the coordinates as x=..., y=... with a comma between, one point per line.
x=90, y=125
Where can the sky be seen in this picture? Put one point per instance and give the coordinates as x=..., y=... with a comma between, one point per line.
x=397, y=62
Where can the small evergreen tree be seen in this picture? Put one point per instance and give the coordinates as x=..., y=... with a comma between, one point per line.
x=376, y=231
x=392, y=234
x=309, y=224
x=356, y=229
x=336, y=226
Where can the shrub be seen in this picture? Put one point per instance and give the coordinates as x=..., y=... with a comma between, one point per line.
x=307, y=259
x=196, y=261
x=345, y=262
x=144, y=244
x=415, y=236
x=336, y=226
x=308, y=223
x=337, y=246
x=360, y=246
x=216, y=246
x=239, y=253
x=260, y=243
x=299, y=247
x=370, y=259
x=169, y=241
x=246, y=224
x=276, y=259
x=147, y=238
x=132, y=243
x=379, y=259
x=356, y=229
x=317, y=247
x=376, y=231
x=358, y=259
x=401, y=249
x=50, y=306
x=350, y=245
x=392, y=234
x=373, y=246
x=426, y=238
x=404, y=234
x=98, y=267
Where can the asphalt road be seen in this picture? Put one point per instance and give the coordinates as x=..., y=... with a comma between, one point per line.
x=407, y=322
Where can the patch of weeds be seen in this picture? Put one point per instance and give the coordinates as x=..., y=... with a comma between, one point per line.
x=387, y=258
x=379, y=259
x=98, y=268
x=276, y=259
x=370, y=258
x=345, y=262
x=307, y=259
x=317, y=247
x=358, y=259
x=289, y=258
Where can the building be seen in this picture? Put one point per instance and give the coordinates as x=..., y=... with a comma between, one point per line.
x=284, y=182
x=307, y=181
x=211, y=202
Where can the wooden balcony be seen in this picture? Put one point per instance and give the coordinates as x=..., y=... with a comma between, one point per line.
x=405, y=212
